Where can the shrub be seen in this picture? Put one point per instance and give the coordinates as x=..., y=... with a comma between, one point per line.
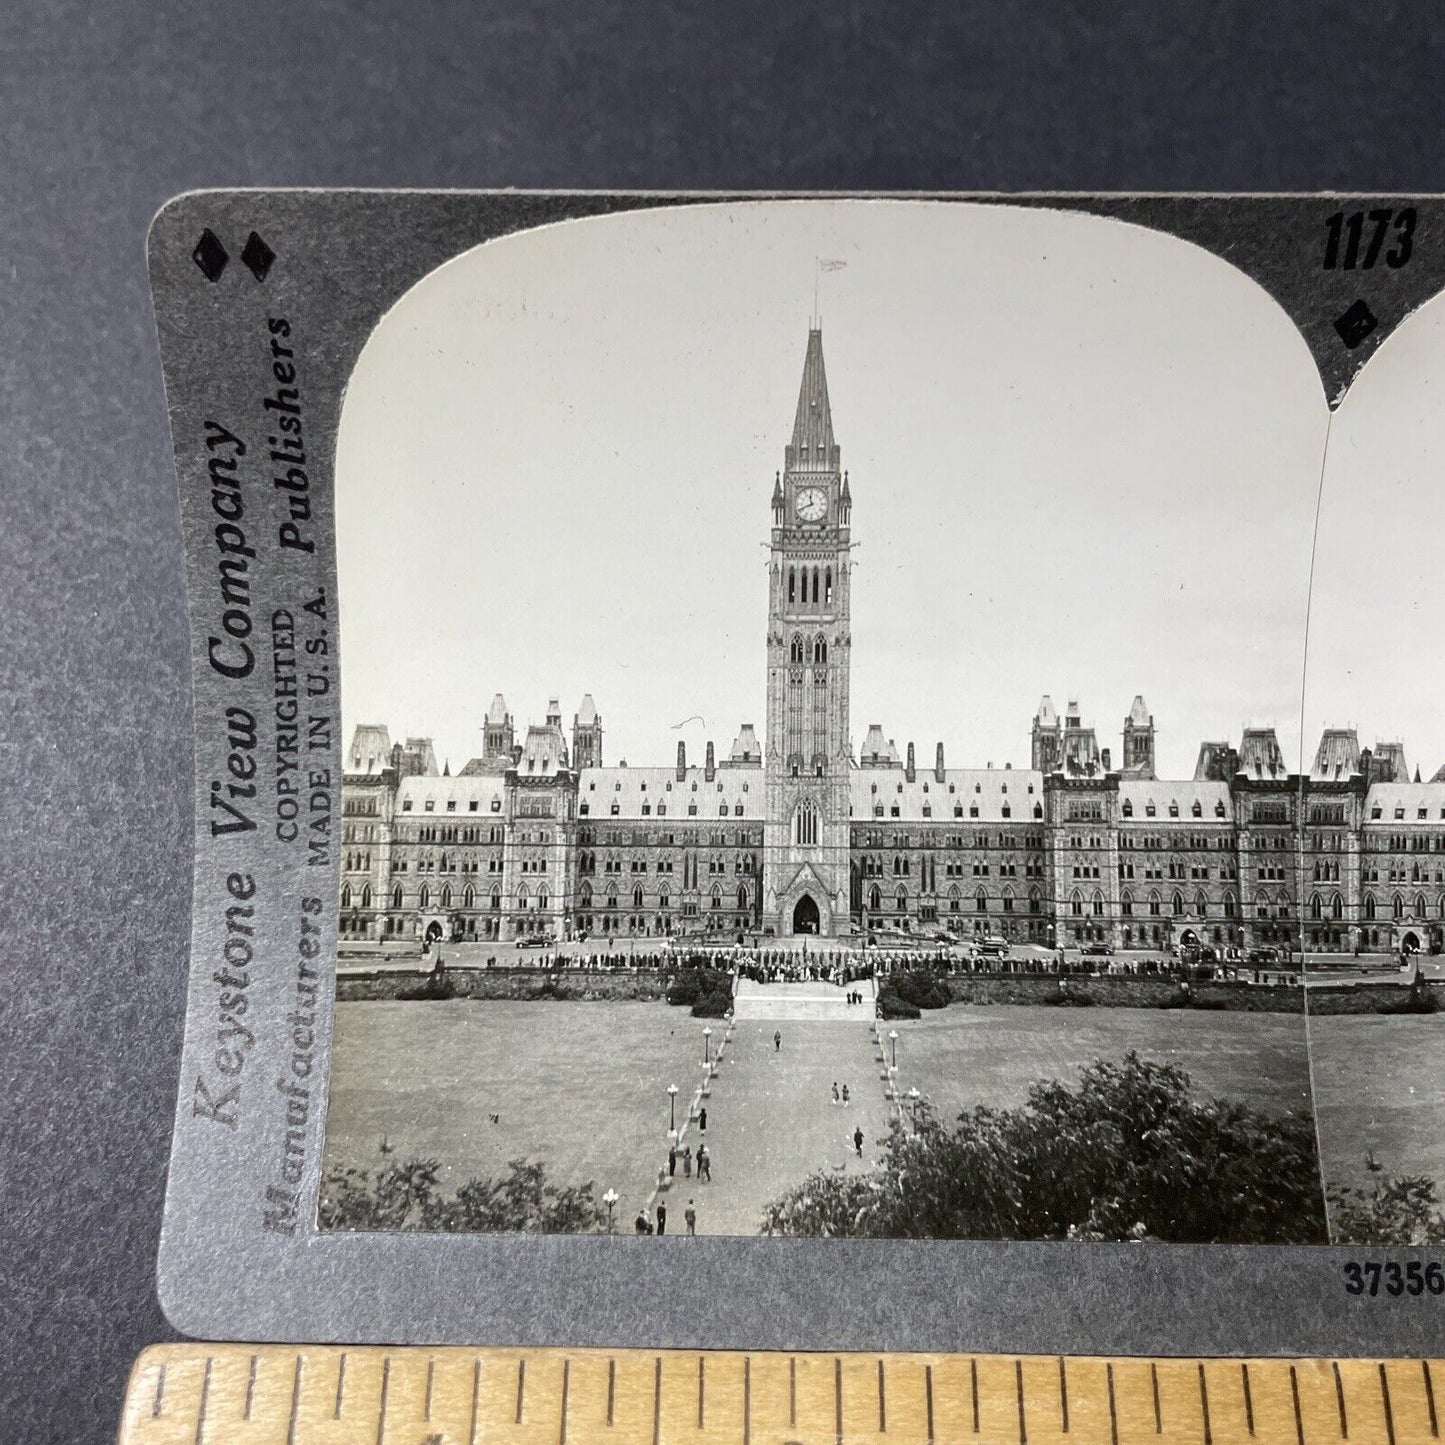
x=436, y=988
x=408, y=1197
x=1129, y=1154
x=714, y=1005
x=692, y=984
x=923, y=990
x=1391, y=1211
x=891, y=1006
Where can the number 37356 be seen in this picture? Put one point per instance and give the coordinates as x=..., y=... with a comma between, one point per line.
x=1390, y=1276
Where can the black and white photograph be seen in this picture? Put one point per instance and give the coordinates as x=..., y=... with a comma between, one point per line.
x=825, y=754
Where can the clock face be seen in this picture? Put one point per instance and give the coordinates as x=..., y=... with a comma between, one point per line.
x=812, y=504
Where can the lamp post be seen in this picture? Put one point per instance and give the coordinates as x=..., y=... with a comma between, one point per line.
x=893, y=1039
x=610, y=1200
x=672, y=1108
x=913, y=1097
x=707, y=1046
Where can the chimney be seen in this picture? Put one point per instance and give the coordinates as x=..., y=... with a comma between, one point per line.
x=1104, y=758
x=908, y=771
x=516, y=754
x=681, y=761
x=711, y=767
x=938, y=764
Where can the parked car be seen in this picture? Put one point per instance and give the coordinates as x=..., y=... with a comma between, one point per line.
x=535, y=940
x=993, y=947
x=1097, y=950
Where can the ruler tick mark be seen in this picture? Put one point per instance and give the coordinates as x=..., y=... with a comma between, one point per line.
x=701, y=1390
x=1204, y=1405
x=476, y=1399
x=1113, y=1408
x=1385, y=1400
x=1019, y=1391
x=1430, y=1398
x=1063, y=1395
x=431, y=1372
x=747, y=1399
x=160, y=1398
x=566, y=1385
x=385, y=1392
x=1248, y=1397
x=928, y=1398
x=1154, y=1387
x=837, y=1400
x=340, y=1387
x=657, y=1402
x=250, y=1388
x=611, y=1390
x=973, y=1380
x=882, y=1403
x=1340, y=1401
x=792, y=1392
x=521, y=1388
x=295, y=1401
x=1299, y=1424
x=205, y=1401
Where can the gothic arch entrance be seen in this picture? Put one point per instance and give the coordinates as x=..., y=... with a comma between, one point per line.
x=805, y=915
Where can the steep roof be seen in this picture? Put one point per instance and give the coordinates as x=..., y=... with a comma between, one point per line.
x=658, y=791
x=1139, y=715
x=370, y=749
x=1173, y=800
x=452, y=795
x=587, y=713
x=1405, y=803
x=813, y=447
x=878, y=751
x=1047, y=716
x=1337, y=757
x=988, y=790
x=746, y=748
x=1260, y=755
x=497, y=713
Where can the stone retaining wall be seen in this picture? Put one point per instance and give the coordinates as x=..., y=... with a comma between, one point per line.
x=510, y=983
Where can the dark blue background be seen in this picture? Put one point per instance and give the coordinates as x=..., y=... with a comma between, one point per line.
x=106, y=111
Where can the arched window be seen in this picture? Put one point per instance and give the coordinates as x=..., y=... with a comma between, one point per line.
x=1126, y=904
x=1008, y=899
x=901, y=898
x=1201, y=905
x=346, y=895
x=1337, y=907
x=1076, y=904
x=805, y=823
x=815, y=584
x=1036, y=900
x=497, y=899
x=1370, y=906
x=716, y=896
x=612, y=895
x=1419, y=910
x=523, y=897
x=469, y=897
x=742, y=900
x=447, y=896
x=953, y=899
x=820, y=650
x=637, y=896
x=1397, y=906
x=424, y=898
x=875, y=898
x=1098, y=904
x=792, y=584
x=584, y=896
x=366, y=896
x=1230, y=905
x=542, y=901
x=795, y=652
x=396, y=896
x=1317, y=907
x=1153, y=902
x=828, y=587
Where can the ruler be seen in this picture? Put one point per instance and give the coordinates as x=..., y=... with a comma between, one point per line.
x=195, y=1394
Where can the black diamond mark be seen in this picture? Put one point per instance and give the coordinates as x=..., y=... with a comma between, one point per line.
x=257, y=256
x=210, y=255
x=1355, y=324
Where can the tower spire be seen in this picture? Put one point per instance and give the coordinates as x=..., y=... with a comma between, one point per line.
x=813, y=448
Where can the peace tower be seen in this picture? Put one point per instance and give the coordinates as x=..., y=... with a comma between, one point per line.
x=806, y=756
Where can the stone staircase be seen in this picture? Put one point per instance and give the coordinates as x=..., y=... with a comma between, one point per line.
x=802, y=1002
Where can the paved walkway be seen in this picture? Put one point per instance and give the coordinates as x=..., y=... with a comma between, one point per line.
x=771, y=1120
x=813, y=1000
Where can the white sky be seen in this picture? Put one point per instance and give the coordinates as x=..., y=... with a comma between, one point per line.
x=1084, y=461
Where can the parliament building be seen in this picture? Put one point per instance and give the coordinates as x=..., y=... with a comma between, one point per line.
x=798, y=833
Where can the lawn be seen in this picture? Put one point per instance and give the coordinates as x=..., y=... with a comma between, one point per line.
x=1380, y=1087
x=581, y=1087
x=965, y=1055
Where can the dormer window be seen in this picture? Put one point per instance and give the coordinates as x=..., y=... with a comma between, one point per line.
x=1128, y=808
x=430, y=805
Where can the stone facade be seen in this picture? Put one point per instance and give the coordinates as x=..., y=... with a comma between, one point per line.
x=798, y=834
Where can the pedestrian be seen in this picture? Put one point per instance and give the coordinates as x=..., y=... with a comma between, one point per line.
x=704, y=1165
x=687, y=1161
x=845, y=1096
x=644, y=1224
x=662, y=1217
x=702, y=1120
x=835, y=1091
x=777, y=1040
x=857, y=1149
x=690, y=1216
x=672, y=1160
